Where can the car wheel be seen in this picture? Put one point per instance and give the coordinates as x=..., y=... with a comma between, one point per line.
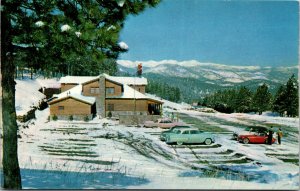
x=179, y=143
x=207, y=141
x=245, y=141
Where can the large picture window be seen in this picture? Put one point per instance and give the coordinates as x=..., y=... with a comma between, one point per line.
x=110, y=90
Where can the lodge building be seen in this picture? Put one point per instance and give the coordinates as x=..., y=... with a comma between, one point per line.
x=87, y=96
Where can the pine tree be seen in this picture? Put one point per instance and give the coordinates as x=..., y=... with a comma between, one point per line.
x=291, y=97
x=243, y=100
x=278, y=102
x=56, y=34
x=262, y=99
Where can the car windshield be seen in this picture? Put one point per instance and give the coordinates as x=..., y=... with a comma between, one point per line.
x=256, y=129
x=177, y=131
x=262, y=134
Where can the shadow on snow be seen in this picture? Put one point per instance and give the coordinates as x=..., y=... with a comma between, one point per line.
x=42, y=179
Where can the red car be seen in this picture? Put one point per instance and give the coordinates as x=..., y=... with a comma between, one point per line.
x=259, y=138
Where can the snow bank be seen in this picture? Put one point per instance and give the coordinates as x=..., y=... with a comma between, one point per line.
x=48, y=83
x=27, y=95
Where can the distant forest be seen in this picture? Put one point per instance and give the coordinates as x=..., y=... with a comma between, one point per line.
x=163, y=90
x=285, y=100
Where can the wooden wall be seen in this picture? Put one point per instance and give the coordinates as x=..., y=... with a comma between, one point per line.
x=127, y=105
x=65, y=87
x=87, y=88
x=71, y=107
x=118, y=88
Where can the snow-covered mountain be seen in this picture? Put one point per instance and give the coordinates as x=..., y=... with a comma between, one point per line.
x=201, y=78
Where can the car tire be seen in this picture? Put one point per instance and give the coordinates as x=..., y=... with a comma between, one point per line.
x=179, y=143
x=246, y=141
x=208, y=141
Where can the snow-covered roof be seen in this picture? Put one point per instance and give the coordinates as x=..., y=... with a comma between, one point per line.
x=48, y=83
x=118, y=79
x=130, y=93
x=75, y=93
x=76, y=79
x=127, y=80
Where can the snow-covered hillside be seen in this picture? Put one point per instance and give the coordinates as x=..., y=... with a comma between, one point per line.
x=28, y=95
x=209, y=71
x=195, y=79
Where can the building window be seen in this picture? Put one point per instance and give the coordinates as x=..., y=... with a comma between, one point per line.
x=110, y=90
x=95, y=90
x=61, y=107
x=110, y=107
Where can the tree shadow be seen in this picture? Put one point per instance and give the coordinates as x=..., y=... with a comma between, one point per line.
x=43, y=179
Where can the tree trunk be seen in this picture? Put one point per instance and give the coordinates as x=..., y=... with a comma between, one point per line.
x=22, y=73
x=31, y=72
x=11, y=170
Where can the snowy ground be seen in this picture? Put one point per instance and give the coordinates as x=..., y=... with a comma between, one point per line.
x=103, y=154
x=116, y=156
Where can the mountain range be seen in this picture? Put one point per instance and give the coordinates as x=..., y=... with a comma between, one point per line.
x=196, y=79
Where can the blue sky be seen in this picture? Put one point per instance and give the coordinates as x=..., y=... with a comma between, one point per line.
x=261, y=33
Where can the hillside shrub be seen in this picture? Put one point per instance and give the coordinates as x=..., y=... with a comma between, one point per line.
x=109, y=114
x=54, y=117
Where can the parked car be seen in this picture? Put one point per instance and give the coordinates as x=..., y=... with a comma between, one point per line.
x=258, y=138
x=251, y=130
x=162, y=123
x=164, y=134
x=190, y=135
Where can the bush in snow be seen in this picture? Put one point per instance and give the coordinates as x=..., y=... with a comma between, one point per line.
x=109, y=114
x=86, y=118
x=54, y=117
x=71, y=117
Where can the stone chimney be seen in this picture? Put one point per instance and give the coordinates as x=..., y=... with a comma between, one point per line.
x=100, y=99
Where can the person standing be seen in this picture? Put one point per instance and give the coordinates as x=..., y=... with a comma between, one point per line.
x=270, y=136
x=279, y=136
